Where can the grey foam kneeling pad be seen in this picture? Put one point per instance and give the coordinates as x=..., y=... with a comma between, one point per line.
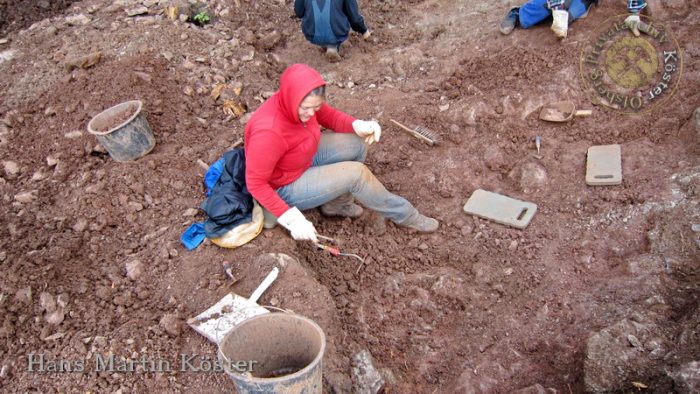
x=499, y=208
x=604, y=165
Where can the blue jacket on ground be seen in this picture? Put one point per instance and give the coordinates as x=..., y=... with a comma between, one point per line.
x=328, y=22
x=228, y=202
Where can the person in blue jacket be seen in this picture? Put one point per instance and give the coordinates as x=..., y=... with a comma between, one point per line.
x=562, y=13
x=327, y=23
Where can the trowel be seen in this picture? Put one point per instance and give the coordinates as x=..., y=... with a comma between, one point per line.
x=561, y=111
x=215, y=322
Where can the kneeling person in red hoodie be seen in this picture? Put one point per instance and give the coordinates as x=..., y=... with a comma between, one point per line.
x=291, y=166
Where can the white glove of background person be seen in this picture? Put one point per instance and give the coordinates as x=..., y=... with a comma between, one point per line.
x=369, y=130
x=560, y=22
x=632, y=23
x=300, y=228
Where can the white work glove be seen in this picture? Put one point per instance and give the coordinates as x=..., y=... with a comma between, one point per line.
x=560, y=23
x=632, y=22
x=369, y=130
x=300, y=228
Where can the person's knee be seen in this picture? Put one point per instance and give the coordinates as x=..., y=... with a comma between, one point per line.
x=358, y=148
x=360, y=173
x=532, y=13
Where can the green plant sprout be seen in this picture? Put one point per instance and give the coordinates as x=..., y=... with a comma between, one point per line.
x=201, y=18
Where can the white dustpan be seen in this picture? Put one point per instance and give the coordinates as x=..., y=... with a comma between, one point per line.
x=217, y=321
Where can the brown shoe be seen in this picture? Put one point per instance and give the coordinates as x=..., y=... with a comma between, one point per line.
x=342, y=206
x=420, y=223
x=332, y=55
x=349, y=210
x=510, y=21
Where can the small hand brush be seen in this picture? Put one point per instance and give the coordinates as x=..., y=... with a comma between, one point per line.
x=419, y=132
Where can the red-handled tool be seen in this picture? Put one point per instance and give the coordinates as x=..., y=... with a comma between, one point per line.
x=336, y=252
x=333, y=250
x=330, y=249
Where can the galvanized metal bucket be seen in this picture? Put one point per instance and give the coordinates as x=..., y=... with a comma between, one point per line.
x=274, y=353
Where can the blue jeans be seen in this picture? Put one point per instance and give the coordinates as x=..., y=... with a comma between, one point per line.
x=535, y=11
x=337, y=170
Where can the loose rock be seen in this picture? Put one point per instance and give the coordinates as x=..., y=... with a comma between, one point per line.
x=79, y=19
x=367, y=378
x=56, y=317
x=26, y=197
x=137, y=11
x=171, y=324
x=11, y=168
x=134, y=269
x=47, y=302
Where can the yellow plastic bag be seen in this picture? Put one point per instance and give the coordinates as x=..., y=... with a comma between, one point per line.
x=243, y=233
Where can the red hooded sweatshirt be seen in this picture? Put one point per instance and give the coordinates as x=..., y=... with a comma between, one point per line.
x=278, y=146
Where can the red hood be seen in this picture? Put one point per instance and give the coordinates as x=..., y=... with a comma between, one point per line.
x=295, y=83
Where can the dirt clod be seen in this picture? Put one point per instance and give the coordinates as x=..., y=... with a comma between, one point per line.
x=171, y=324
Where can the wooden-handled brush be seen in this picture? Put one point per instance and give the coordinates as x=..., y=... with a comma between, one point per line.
x=421, y=133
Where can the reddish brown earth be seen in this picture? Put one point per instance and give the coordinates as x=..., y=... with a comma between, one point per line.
x=475, y=307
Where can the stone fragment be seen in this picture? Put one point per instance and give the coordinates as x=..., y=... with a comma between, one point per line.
x=80, y=225
x=171, y=324
x=39, y=176
x=24, y=295
x=530, y=176
x=47, y=302
x=73, y=134
x=269, y=40
x=135, y=206
x=26, y=197
x=11, y=167
x=190, y=212
x=137, y=11
x=83, y=61
x=78, y=19
x=134, y=269
x=56, y=317
x=366, y=377
x=143, y=76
